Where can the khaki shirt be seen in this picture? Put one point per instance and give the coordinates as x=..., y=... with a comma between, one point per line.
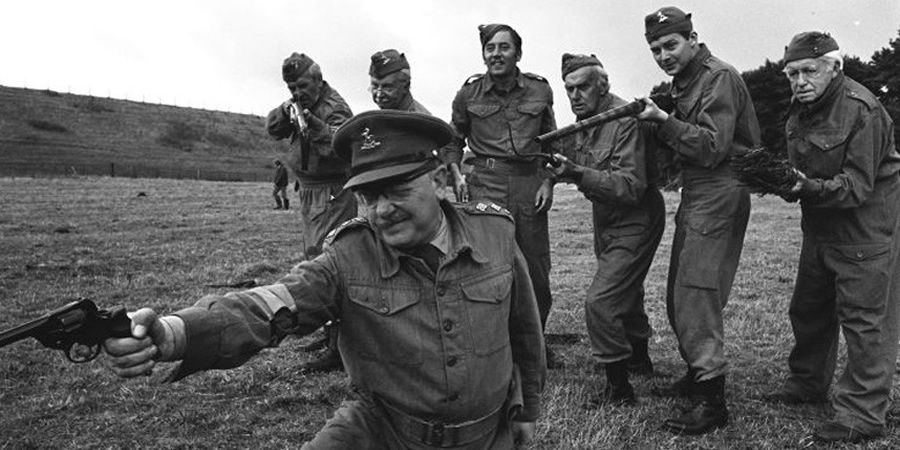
x=324, y=163
x=497, y=124
x=844, y=142
x=432, y=345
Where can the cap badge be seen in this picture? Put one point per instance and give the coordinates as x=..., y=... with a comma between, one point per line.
x=662, y=17
x=369, y=141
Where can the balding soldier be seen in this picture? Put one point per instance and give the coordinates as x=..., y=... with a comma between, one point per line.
x=439, y=326
x=498, y=114
x=321, y=173
x=841, y=140
x=613, y=165
x=713, y=119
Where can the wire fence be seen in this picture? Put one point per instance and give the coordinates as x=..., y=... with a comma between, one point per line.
x=13, y=169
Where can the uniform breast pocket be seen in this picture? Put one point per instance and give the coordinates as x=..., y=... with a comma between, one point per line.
x=826, y=155
x=385, y=324
x=482, y=110
x=486, y=300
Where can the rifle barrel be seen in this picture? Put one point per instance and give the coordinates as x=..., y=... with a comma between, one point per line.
x=630, y=109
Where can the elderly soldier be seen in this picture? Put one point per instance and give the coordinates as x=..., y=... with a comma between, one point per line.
x=439, y=326
x=390, y=82
x=713, y=119
x=841, y=141
x=320, y=172
x=498, y=114
x=614, y=168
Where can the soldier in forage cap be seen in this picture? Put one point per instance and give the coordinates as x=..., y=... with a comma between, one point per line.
x=440, y=331
x=321, y=173
x=840, y=139
x=713, y=119
x=498, y=114
x=613, y=166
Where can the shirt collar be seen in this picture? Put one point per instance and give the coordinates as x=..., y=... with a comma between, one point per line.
x=490, y=83
x=682, y=79
x=452, y=240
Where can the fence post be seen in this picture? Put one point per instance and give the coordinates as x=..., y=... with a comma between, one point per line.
x=112, y=170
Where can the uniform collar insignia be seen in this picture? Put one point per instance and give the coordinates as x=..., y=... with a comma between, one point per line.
x=369, y=141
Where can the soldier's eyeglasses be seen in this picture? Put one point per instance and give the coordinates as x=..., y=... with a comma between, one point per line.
x=386, y=90
x=808, y=73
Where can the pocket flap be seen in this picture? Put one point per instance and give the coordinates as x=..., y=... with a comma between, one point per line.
x=490, y=289
x=826, y=140
x=383, y=301
x=532, y=109
x=482, y=110
x=862, y=252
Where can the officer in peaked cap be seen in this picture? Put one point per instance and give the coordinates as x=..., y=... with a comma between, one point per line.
x=439, y=327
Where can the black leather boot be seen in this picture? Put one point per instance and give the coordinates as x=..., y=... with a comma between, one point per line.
x=708, y=411
x=618, y=391
x=639, y=363
x=683, y=387
x=287, y=203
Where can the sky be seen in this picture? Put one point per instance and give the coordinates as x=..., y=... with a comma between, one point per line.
x=227, y=54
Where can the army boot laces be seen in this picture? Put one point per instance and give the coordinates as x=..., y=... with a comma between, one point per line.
x=707, y=413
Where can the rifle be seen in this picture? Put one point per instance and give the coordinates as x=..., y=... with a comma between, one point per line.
x=301, y=132
x=663, y=101
x=630, y=109
x=77, y=329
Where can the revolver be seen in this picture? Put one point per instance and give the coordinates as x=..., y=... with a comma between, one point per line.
x=77, y=329
x=301, y=132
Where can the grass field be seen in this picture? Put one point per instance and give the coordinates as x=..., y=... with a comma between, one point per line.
x=160, y=243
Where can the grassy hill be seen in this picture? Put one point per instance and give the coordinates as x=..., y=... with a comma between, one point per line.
x=43, y=132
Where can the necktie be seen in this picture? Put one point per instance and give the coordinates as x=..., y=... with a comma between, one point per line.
x=428, y=253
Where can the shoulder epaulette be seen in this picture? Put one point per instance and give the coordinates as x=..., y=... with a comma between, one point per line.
x=355, y=222
x=869, y=100
x=535, y=76
x=473, y=78
x=483, y=207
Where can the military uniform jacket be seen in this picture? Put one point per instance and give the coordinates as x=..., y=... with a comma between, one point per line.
x=844, y=142
x=620, y=166
x=439, y=347
x=713, y=119
x=497, y=124
x=324, y=163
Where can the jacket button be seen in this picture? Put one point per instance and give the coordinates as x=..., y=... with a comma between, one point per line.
x=448, y=325
x=383, y=308
x=441, y=291
x=859, y=255
x=451, y=362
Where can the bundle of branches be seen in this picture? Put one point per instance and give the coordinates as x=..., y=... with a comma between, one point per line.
x=764, y=172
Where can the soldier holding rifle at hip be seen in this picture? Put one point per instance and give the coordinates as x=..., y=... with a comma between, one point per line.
x=613, y=165
x=713, y=119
